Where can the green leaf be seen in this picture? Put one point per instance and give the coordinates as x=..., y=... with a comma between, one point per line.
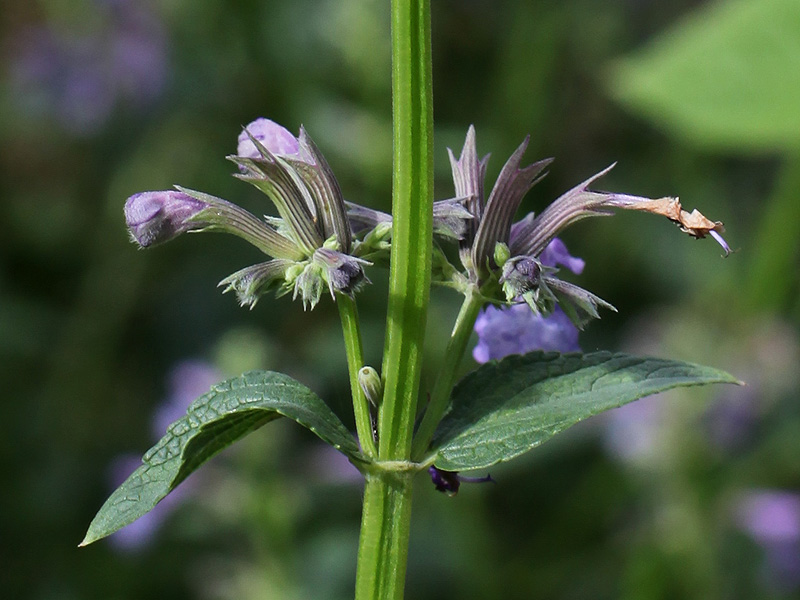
x=726, y=77
x=232, y=409
x=507, y=407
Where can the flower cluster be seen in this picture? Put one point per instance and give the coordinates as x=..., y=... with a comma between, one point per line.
x=310, y=242
x=320, y=241
x=521, y=259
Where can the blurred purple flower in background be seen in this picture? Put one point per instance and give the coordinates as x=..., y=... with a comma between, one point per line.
x=731, y=418
x=517, y=329
x=187, y=381
x=772, y=519
x=634, y=431
x=78, y=78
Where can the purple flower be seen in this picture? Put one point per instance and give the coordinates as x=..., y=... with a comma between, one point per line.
x=633, y=432
x=772, y=519
x=79, y=78
x=556, y=253
x=275, y=138
x=156, y=217
x=769, y=516
x=295, y=175
x=188, y=380
x=517, y=330
x=522, y=256
x=309, y=244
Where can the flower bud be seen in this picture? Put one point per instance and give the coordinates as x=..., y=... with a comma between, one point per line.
x=344, y=273
x=275, y=138
x=157, y=217
x=501, y=254
x=521, y=275
x=371, y=384
x=308, y=285
x=252, y=282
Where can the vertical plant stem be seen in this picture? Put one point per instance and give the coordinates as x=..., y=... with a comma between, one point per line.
x=447, y=374
x=385, y=525
x=412, y=225
x=383, y=547
x=355, y=360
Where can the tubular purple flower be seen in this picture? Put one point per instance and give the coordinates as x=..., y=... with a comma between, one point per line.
x=157, y=217
x=310, y=242
x=517, y=330
x=273, y=177
x=295, y=174
x=275, y=138
x=556, y=253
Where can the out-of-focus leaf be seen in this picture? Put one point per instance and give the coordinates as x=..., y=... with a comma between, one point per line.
x=726, y=77
x=507, y=407
x=213, y=422
x=776, y=247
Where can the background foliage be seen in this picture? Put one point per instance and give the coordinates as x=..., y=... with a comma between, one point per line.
x=695, y=496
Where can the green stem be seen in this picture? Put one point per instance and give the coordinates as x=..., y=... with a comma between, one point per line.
x=383, y=547
x=412, y=225
x=355, y=360
x=446, y=378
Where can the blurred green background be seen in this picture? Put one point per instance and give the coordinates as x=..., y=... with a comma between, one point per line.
x=695, y=494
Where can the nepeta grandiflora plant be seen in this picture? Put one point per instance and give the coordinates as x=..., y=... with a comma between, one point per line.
x=321, y=243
